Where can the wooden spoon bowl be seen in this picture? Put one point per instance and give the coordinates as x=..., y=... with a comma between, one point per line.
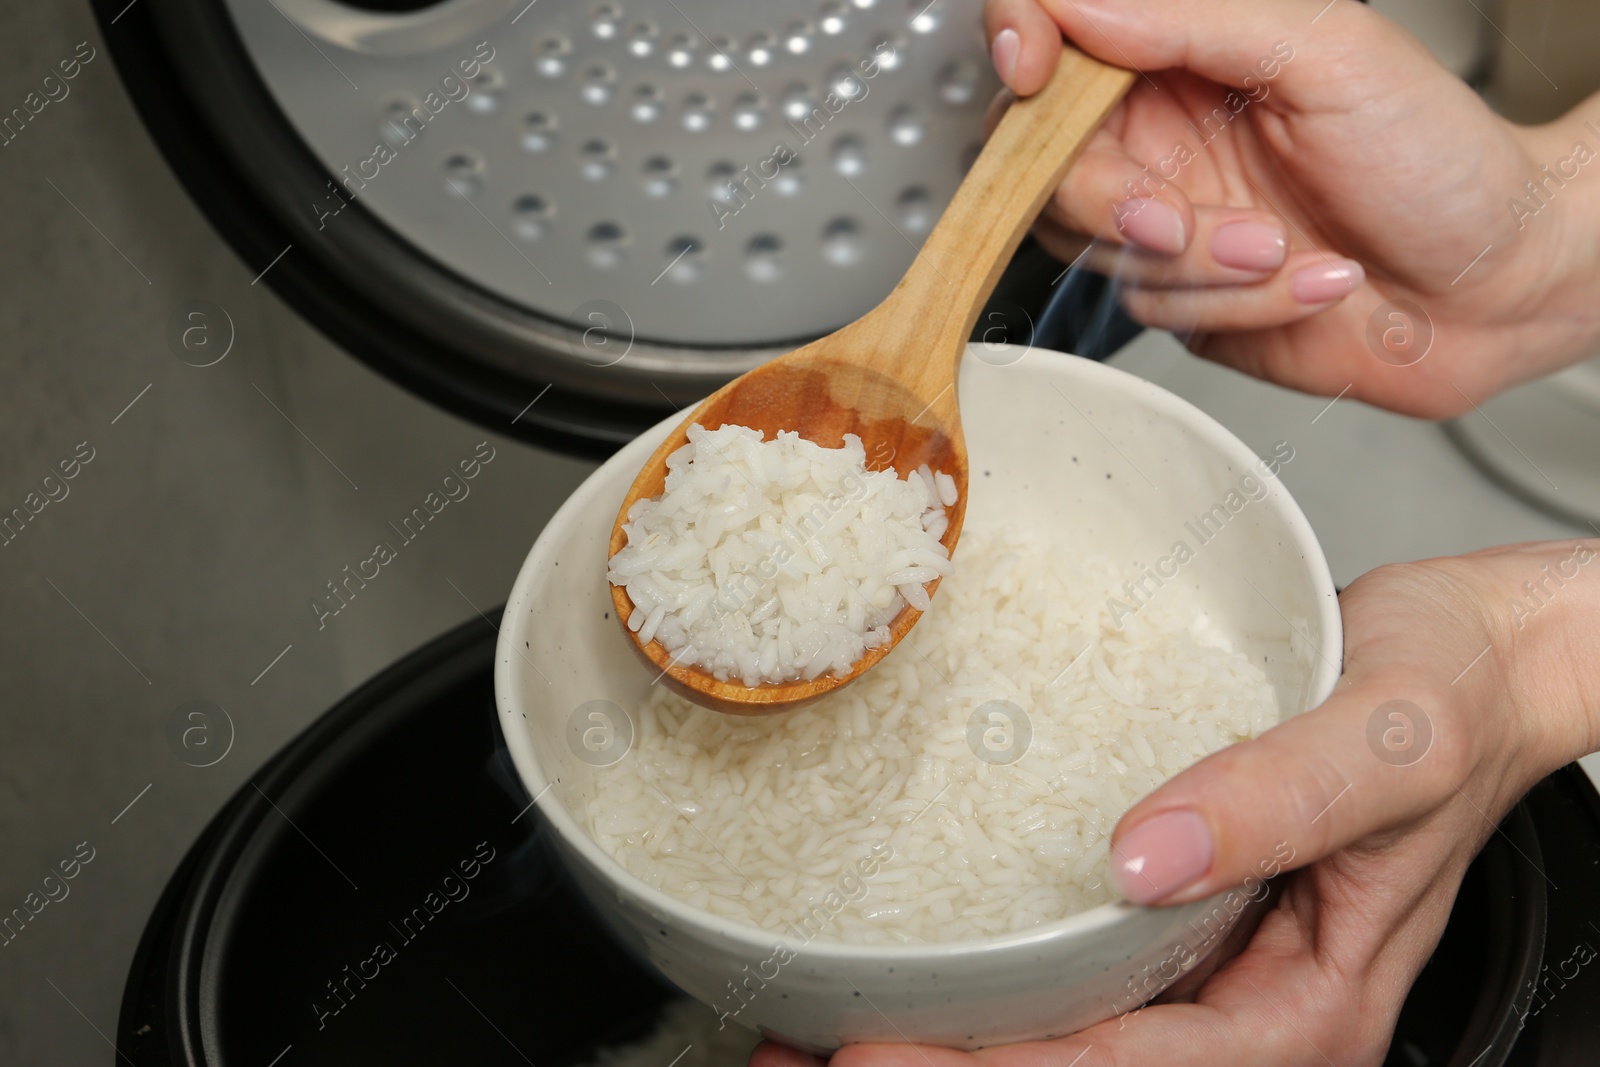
x=839, y=398
x=890, y=376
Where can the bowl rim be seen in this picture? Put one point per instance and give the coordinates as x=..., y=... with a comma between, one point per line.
x=758, y=940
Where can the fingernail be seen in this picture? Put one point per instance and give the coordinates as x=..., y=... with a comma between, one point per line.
x=1161, y=855
x=1326, y=281
x=1152, y=224
x=1006, y=48
x=1249, y=246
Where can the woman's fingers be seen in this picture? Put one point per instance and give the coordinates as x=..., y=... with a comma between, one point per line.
x=1192, y=293
x=1231, y=246
x=1307, y=283
x=1297, y=793
x=1109, y=194
x=1024, y=42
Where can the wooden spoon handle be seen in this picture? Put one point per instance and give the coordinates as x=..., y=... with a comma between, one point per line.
x=1038, y=139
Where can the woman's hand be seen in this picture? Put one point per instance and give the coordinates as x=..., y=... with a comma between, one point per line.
x=1461, y=690
x=1284, y=168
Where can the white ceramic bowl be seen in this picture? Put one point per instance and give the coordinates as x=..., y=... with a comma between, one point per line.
x=1117, y=465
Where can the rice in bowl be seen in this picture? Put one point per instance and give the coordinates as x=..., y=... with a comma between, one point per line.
x=965, y=787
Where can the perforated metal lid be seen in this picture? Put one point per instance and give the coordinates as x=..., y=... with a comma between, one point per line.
x=722, y=174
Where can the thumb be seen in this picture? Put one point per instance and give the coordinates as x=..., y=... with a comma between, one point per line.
x=1024, y=42
x=1371, y=758
x=1240, y=43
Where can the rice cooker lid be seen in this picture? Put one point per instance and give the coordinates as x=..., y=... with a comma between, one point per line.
x=612, y=207
x=729, y=174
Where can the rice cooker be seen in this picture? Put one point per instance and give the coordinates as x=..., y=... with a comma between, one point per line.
x=564, y=220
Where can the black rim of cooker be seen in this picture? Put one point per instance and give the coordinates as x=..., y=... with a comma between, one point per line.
x=1513, y=939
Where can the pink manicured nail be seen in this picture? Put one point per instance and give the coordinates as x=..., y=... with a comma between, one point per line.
x=1249, y=246
x=1323, y=282
x=1161, y=855
x=1152, y=224
x=1006, y=48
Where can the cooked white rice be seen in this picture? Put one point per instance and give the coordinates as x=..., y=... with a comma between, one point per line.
x=776, y=560
x=763, y=820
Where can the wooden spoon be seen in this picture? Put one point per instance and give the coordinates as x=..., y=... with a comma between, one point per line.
x=890, y=376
